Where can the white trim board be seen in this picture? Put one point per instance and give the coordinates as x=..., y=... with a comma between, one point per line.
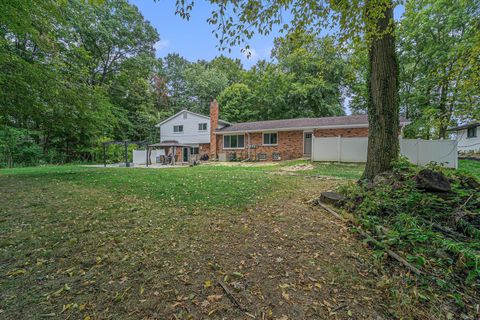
x=191, y=112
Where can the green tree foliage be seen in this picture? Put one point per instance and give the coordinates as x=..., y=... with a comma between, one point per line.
x=204, y=83
x=231, y=68
x=73, y=72
x=305, y=81
x=368, y=21
x=173, y=68
x=18, y=145
x=317, y=71
x=236, y=102
x=440, y=59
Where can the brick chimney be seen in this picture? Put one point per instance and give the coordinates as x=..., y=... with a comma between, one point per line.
x=213, y=125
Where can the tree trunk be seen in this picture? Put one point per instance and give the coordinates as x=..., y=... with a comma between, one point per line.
x=444, y=113
x=383, y=112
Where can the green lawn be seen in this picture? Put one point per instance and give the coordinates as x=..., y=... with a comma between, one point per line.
x=69, y=234
x=329, y=169
x=189, y=188
x=121, y=243
x=470, y=166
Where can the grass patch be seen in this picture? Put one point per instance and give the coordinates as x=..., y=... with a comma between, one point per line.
x=185, y=187
x=470, y=166
x=124, y=243
x=328, y=169
x=80, y=241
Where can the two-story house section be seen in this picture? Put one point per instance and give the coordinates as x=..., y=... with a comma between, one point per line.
x=192, y=129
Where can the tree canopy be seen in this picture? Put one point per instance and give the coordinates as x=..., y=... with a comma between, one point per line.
x=77, y=73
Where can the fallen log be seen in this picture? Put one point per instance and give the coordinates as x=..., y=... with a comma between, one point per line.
x=374, y=241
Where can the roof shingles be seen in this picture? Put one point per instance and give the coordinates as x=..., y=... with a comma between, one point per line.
x=301, y=123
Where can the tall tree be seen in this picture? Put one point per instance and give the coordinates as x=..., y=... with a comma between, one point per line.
x=383, y=112
x=72, y=74
x=112, y=33
x=317, y=70
x=438, y=43
x=231, y=68
x=236, y=21
x=173, y=72
x=237, y=103
x=204, y=84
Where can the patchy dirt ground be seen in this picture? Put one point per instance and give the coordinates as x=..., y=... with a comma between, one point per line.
x=80, y=252
x=290, y=261
x=298, y=167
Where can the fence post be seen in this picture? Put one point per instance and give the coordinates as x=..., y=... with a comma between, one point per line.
x=339, y=148
x=418, y=151
x=312, y=156
x=126, y=155
x=104, y=155
x=400, y=140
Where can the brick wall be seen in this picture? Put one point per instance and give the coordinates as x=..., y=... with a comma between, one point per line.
x=290, y=146
x=214, y=110
x=179, y=154
x=204, y=148
x=347, y=132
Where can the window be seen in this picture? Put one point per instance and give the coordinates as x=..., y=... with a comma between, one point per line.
x=472, y=132
x=234, y=142
x=178, y=129
x=194, y=150
x=270, y=139
x=202, y=127
x=276, y=156
x=262, y=156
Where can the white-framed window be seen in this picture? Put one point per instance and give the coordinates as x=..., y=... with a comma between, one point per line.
x=178, y=129
x=270, y=139
x=202, y=126
x=472, y=132
x=276, y=156
x=194, y=150
x=234, y=142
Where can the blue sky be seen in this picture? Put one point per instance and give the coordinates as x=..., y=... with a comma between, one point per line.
x=193, y=39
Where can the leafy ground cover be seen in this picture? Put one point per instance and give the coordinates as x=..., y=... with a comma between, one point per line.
x=116, y=243
x=438, y=232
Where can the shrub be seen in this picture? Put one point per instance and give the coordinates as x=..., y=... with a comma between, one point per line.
x=18, y=147
x=438, y=232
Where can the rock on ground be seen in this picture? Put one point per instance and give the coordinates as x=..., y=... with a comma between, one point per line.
x=430, y=180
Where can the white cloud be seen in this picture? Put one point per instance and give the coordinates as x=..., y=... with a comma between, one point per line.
x=162, y=44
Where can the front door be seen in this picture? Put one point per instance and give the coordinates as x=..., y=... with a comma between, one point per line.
x=307, y=143
x=185, y=154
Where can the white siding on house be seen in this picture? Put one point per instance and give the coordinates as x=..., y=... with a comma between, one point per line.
x=466, y=144
x=190, y=134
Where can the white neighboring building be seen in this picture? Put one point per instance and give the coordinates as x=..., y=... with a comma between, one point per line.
x=468, y=137
x=192, y=129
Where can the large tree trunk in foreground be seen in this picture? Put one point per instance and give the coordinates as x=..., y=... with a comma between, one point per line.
x=383, y=113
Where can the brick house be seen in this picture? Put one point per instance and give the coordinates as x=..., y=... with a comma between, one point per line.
x=270, y=140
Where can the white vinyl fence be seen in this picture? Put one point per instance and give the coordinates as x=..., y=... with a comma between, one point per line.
x=139, y=156
x=420, y=152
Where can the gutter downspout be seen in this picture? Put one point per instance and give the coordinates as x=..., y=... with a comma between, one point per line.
x=248, y=146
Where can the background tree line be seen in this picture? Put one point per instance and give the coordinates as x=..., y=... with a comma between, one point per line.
x=74, y=74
